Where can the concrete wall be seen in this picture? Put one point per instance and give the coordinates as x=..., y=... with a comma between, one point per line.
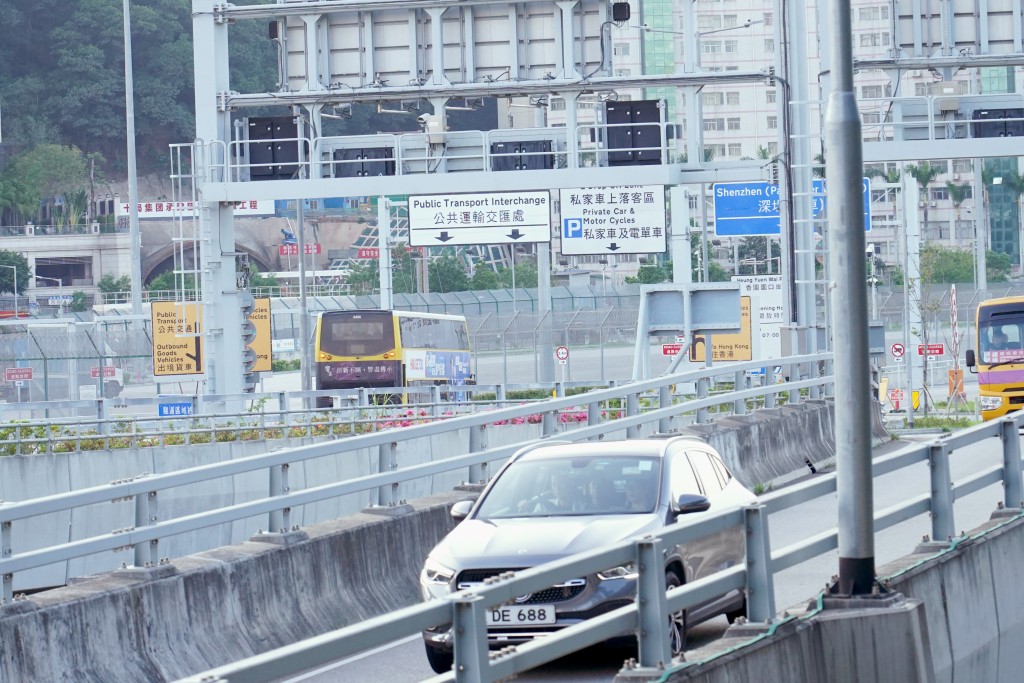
x=962, y=622
x=758, y=447
x=221, y=605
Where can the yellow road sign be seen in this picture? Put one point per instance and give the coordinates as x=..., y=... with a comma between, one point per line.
x=261, y=343
x=177, y=343
x=728, y=346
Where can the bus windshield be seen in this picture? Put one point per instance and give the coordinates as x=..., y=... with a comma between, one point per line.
x=363, y=333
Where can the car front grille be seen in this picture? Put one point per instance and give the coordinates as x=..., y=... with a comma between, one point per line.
x=567, y=590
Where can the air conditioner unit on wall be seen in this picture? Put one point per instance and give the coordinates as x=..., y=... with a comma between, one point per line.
x=956, y=176
x=915, y=73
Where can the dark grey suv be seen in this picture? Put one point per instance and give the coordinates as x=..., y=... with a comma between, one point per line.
x=557, y=499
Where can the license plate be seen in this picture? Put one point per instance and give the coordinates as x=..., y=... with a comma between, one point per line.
x=521, y=615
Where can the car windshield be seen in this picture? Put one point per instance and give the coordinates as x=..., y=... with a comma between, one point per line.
x=580, y=485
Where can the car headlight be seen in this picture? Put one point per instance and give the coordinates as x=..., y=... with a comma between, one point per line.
x=436, y=574
x=625, y=571
x=990, y=402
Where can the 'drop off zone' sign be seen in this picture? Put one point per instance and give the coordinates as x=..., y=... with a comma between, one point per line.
x=627, y=219
x=753, y=208
x=482, y=218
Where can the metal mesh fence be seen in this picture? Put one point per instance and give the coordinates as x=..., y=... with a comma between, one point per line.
x=66, y=355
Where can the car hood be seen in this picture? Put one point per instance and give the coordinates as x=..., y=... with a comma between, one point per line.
x=521, y=542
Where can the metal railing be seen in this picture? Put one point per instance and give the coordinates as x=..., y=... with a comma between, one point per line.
x=807, y=373
x=466, y=610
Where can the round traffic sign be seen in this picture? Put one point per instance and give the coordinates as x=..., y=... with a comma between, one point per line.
x=898, y=350
x=562, y=353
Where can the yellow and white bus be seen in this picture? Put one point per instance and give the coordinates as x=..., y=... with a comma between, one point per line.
x=374, y=348
x=999, y=360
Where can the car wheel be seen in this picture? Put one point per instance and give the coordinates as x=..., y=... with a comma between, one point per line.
x=440, y=660
x=676, y=620
x=740, y=611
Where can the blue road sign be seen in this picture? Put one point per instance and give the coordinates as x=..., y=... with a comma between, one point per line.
x=753, y=208
x=176, y=409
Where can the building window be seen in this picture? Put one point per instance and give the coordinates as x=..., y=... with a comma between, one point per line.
x=767, y=18
x=871, y=92
x=621, y=50
x=711, y=47
x=874, y=13
x=716, y=151
x=874, y=39
x=714, y=124
x=871, y=117
x=712, y=99
x=938, y=194
x=731, y=47
x=769, y=45
x=557, y=104
x=769, y=96
x=735, y=149
x=773, y=122
x=730, y=21
x=773, y=149
x=732, y=97
x=706, y=21
x=962, y=166
x=732, y=124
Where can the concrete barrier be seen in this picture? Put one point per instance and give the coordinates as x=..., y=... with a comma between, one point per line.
x=962, y=622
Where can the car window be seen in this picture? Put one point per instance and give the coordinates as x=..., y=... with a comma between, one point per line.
x=724, y=475
x=706, y=474
x=681, y=477
x=573, y=485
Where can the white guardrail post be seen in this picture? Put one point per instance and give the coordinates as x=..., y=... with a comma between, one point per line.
x=1013, y=489
x=664, y=401
x=943, y=527
x=654, y=651
x=145, y=515
x=760, y=585
x=477, y=443
x=632, y=410
x=739, y=406
x=387, y=462
x=469, y=621
x=280, y=519
x=7, y=594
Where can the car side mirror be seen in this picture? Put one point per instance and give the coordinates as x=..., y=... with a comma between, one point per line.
x=692, y=502
x=460, y=510
x=969, y=358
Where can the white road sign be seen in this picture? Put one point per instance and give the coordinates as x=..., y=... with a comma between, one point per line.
x=481, y=218
x=628, y=219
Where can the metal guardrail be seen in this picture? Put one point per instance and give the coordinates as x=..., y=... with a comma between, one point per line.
x=806, y=373
x=646, y=617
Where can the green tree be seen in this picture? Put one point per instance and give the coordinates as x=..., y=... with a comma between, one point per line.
x=754, y=251
x=997, y=266
x=943, y=265
x=447, y=274
x=484, y=277
x=363, y=277
x=79, y=301
x=12, y=262
x=716, y=273
x=46, y=172
x=108, y=284
x=650, y=274
x=924, y=173
x=169, y=282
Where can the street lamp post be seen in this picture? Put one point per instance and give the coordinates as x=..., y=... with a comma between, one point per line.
x=60, y=291
x=15, y=269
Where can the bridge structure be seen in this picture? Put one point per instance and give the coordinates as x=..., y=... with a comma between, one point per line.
x=402, y=485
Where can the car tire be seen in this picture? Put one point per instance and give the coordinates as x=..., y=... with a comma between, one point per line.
x=440, y=660
x=740, y=611
x=676, y=620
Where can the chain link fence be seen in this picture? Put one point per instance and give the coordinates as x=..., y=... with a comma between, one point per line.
x=65, y=356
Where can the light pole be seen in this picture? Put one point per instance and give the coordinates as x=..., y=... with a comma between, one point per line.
x=873, y=280
x=60, y=291
x=15, y=269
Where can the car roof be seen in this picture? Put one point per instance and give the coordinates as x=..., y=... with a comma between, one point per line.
x=656, y=447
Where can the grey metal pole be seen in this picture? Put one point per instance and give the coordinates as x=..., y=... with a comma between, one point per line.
x=133, y=182
x=307, y=353
x=980, y=226
x=844, y=163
